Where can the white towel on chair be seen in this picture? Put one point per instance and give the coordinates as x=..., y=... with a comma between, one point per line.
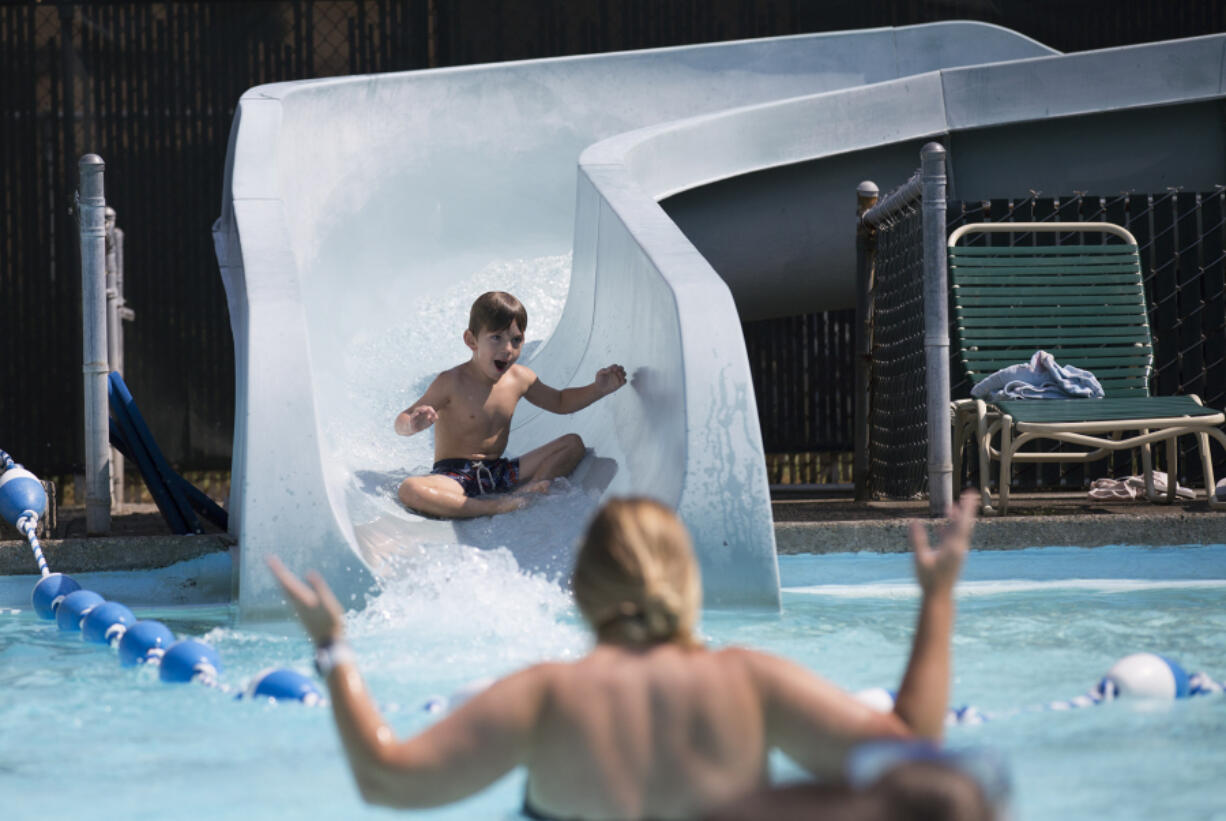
x=1040, y=378
x=1133, y=487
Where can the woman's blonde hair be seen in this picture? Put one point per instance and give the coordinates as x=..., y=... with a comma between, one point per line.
x=635, y=580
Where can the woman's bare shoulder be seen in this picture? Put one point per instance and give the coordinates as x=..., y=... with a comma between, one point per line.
x=768, y=671
x=748, y=658
x=544, y=676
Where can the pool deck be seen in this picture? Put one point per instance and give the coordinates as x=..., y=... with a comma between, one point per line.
x=139, y=540
x=806, y=521
x=835, y=523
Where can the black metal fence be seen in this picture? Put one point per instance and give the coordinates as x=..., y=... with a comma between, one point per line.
x=802, y=368
x=152, y=86
x=1182, y=241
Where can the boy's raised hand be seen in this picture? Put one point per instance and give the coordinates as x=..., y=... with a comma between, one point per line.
x=316, y=606
x=610, y=379
x=420, y=418
x=937, y=568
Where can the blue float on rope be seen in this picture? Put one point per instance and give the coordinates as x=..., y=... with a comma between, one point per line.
x=21, y=494
x=106, y=623
x=1146, y=675
x=143, y=642
x=74, y=607
x=1140, y=675
x=879, y=698
x=50, y=591
x=22, y=501
x=188, y=659
x=284, y=685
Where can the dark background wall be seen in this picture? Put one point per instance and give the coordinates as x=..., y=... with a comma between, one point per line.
x=152, y=88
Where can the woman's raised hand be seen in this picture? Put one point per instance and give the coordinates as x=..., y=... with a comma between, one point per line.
x=937, y=568
x=317, y=608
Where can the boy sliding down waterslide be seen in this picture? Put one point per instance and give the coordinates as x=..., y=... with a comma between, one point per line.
x=470, y=407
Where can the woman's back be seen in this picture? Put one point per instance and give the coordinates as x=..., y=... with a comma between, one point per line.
x=659, y=732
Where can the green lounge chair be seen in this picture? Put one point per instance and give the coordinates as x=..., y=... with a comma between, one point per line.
x=1085, y=304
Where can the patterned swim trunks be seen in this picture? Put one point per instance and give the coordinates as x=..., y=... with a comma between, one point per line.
x=478, y=477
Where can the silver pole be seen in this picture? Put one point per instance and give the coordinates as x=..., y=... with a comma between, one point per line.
x=936, y=332
x=91, y=210
x=114, y=342
x=866, y=248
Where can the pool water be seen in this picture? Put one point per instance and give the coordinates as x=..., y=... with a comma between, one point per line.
x=82, y=735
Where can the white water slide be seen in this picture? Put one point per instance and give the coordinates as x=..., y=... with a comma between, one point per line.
x=642, y=204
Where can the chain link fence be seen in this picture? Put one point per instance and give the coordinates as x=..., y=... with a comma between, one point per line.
x=898, y=456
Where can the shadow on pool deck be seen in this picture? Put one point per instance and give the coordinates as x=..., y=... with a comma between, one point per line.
x=806, y=521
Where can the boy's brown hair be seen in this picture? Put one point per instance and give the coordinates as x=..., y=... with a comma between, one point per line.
x=495, y=311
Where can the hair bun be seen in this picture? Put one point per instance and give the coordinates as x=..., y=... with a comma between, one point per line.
x=635, y=579
x=660, y=617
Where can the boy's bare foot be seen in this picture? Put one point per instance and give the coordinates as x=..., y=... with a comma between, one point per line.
x=508, y=503
x=520, y=498
x=539, y=486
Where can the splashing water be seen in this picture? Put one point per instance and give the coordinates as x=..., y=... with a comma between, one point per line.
x=468, y=609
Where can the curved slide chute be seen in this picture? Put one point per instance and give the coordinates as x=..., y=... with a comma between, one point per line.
x=361, y=214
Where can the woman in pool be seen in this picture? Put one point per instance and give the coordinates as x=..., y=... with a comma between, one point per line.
x=649, y=723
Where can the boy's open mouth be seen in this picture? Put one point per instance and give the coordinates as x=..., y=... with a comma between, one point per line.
x=500, y=365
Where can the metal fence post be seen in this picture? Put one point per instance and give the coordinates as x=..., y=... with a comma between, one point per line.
x=866, y=252
x=114, y=338
x=91, y=213
x=936, y=331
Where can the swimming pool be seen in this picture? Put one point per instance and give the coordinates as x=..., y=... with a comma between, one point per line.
x=82, y=734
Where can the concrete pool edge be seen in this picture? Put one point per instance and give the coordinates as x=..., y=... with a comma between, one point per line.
x=107, y=553
x=1164, y=527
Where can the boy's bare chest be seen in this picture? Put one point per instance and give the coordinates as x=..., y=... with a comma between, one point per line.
x=486, y=410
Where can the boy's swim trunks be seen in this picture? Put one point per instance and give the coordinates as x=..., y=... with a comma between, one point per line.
x=478, y=477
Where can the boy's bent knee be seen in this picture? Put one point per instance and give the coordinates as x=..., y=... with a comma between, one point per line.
x=409, y=492
x=571, y=453
x=421, y=495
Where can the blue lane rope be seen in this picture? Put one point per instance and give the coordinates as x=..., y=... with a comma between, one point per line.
x=28, y=526
x=60, y=598
x=1142, y=675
